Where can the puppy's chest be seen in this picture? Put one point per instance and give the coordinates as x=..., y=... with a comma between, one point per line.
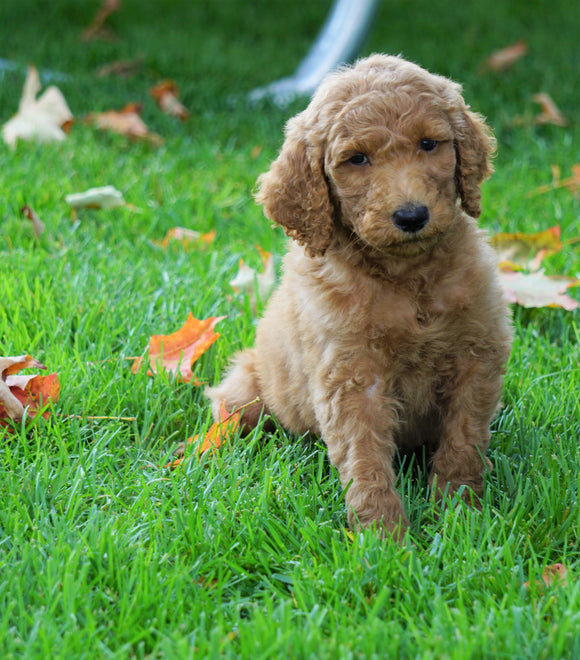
x=407, y=333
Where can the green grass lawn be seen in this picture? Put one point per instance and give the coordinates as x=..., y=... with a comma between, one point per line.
x=106, y=554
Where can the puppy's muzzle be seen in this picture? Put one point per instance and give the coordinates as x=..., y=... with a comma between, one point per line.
x=411, y=218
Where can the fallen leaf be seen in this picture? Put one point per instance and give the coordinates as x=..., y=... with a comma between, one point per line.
x=256, y=151
x=552, y=574
x=165, y=94
x=572, y=183
x=106, y=197
x=503, y=59
x=186, y=237
x=44, y=119
x=177, y=352
x=247, y=279
x=97, y=29
x=217, y=433
x=537, y=289
x=517, y=251
x=20, y=392
x=550, y=112
x=125, y=122
x=37, y=224
x=120, y=68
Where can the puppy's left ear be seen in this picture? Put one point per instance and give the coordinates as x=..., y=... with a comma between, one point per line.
x=474, y=146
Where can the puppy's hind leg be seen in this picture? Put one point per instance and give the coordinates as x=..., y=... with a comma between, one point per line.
x=239, y=387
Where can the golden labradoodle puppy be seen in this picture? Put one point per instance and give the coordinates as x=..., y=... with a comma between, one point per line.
x=388, y=329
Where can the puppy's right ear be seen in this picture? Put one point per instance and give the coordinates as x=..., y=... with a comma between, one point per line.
x=295, y=195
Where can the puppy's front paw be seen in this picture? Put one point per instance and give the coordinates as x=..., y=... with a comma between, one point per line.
x=379, y=505
x=470, y=488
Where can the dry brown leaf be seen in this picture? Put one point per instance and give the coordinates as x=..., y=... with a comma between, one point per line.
x=37, y=224
x=256, y=151
x=126, y=122
x=120, y=68
x=20, y=392
x=572, y=183
x=177, y=352
x=503, y=59
x=165, y=95
x=97, y=29
x=552, y=574
x=550, y=112
x=44, y=119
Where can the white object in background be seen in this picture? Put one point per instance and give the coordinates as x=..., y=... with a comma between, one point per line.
x=339, y=41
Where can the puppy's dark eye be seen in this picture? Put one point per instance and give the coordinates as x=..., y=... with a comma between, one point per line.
x=358, y=159
x=427, y=145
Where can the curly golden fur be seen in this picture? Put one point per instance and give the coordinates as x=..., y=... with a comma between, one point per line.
x=388, y=329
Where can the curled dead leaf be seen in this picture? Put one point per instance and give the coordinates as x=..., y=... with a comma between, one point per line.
x=97, y=29
x=165, y=95
x=42, y=119
x=550, y=112
x=37, y=224
x=106, y=197
x=504, y=58
x=120, y=68
x=126, y=121
x=19, y=392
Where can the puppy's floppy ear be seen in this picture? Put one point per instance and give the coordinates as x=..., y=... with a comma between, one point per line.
x=295, y=195
x=474, y=146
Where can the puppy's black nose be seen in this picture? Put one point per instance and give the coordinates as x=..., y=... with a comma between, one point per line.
x=411, y=218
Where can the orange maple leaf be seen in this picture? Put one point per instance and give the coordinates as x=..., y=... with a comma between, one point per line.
x=217, y=433
x=20, y=392
x=177, y=352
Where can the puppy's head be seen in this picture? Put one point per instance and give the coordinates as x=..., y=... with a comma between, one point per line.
x=386, y=150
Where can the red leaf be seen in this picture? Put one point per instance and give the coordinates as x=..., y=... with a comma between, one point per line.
x=20, y=392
